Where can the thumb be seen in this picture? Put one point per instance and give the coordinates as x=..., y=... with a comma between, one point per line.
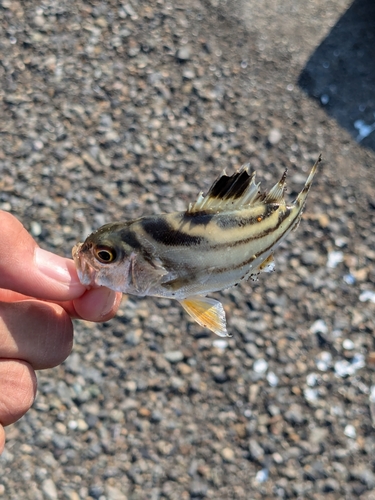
x=30, y=270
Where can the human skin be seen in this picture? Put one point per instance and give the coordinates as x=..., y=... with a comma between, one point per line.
x=40, y=293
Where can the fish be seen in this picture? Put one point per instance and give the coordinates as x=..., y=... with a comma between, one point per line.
x=226, y=236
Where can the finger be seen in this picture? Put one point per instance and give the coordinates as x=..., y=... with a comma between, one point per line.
x=30, y=270
x=2, y=439
x=41, y=333
x=98, y=304
x=17, y=390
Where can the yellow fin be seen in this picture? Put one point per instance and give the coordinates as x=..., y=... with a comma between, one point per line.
x=208, y=313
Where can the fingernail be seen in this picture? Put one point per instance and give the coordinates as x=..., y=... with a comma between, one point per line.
x=108, y=303
x=53, y=266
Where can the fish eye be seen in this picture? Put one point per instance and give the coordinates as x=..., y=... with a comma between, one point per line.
x=105, y=254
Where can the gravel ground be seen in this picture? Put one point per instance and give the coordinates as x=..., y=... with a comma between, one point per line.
x=116, y=109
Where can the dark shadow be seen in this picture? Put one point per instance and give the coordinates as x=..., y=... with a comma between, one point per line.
x=341, y=72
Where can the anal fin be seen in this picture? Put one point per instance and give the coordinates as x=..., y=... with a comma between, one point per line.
x=207, y=312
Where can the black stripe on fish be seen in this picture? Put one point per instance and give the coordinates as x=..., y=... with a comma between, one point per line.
x=282, y=217
x=231, y=187
x=220, y=270
x=230, y=222
x=201, y=218
x=130, y=238
x=162, y=232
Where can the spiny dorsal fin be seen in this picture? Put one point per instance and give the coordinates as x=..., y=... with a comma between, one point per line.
x=229, y=191
x=276, y=194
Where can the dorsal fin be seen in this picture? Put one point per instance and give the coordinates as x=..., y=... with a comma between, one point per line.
x=276, y=194
x=229, y=191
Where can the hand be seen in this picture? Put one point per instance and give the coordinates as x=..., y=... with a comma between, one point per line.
x=39, y=294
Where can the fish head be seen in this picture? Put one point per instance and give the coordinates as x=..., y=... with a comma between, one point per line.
x=103, y=259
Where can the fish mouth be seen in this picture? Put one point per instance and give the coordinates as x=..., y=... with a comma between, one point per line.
x=86, y=273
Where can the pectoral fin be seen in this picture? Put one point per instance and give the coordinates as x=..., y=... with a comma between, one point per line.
x=208, y=313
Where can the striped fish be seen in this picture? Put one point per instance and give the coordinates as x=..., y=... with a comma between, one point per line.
x=226, y=236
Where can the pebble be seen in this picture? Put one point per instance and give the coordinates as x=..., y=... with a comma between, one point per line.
x=228, y=454
x=274, y=136
x=220, y=344
x=367, y=296
x=350, y=431
x=311, y=395
x=35, y=228
x=113, y=493
x=334, y=259
x=324, y=361
x=260, y=366
x=174, y=356
x=348, y=344
x=184, y=53
x=319, y=326
x=312, y=379
x=262, y=475
x=49, y=489
x=344, y=368
x=272, y=379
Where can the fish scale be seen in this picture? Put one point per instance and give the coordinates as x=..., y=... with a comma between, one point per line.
x=226, y=236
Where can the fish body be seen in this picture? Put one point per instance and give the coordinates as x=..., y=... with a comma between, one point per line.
x=226, y=236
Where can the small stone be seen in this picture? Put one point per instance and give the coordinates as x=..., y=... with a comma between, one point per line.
x=198, y=489
x=251, y=350
x=318, y=435
x=260, y=366
x=256, y=451
x=177, y=382
x=324, y=361
x=272, y=379
x=310, y=257
x=311, y=395
x=96, y=491
x=82, y=425
x=334, y=258
x=220, y=344
x=262, y=475
x=348, y=344
x=319, y=326
x=367, y=296
x=295, y=414
x=144, y=412
x=174, y=356
x=188, y=74
x=219, y=129
x=134, y=337
x=274, y=136
x=350, y=431
x=113, y=493
x=49, y=489
x=35, y=228
x=92, y=163
x=183, y=54
x=311, y=379
x=330, y=485
x=228, y=454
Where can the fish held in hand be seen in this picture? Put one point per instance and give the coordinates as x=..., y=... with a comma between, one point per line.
x=226, y=236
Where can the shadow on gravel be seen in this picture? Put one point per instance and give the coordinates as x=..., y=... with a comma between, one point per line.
x=341, y=72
